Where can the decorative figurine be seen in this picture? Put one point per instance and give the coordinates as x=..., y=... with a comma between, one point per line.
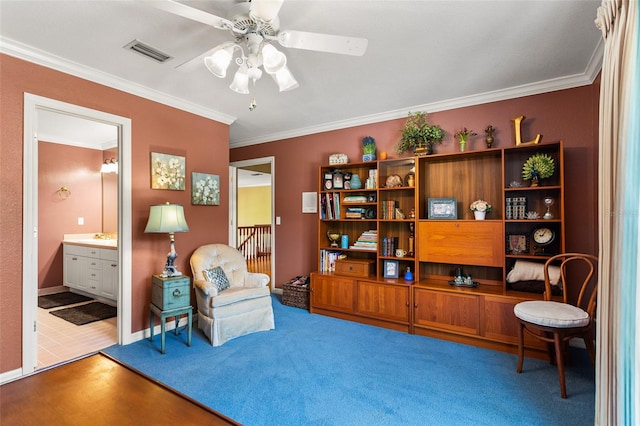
x=489, y=138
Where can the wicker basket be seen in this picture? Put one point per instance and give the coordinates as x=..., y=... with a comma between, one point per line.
x=296, y=294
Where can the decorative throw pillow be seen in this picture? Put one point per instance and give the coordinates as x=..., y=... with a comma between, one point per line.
x=528, y=271
x=217, y=276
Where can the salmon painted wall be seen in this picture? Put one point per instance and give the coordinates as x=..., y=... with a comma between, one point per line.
x=570, y=115
x=155, y=128
x=77, y=169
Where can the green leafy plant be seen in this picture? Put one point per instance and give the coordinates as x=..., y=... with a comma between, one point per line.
x=538, y=166
x=368, y=145
x=417, y=132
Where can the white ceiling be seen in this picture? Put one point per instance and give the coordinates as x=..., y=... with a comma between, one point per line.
x=427, y=55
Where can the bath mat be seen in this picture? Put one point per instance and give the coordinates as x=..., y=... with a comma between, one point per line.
x=61, y=299
x=85, y=314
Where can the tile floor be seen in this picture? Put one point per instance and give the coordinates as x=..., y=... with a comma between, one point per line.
x=59, y=340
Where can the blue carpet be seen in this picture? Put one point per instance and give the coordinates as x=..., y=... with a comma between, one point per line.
x=316, y=370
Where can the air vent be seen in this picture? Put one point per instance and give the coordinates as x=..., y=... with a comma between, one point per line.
x=148, y=51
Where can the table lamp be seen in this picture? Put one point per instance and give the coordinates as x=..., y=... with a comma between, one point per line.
x=168, y=218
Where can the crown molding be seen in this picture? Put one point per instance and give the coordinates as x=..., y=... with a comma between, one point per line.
x=577, y=80
x=27, y=53
x=39, y=57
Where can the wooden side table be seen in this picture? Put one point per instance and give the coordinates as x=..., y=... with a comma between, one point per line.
x=170, y=297
x=167, y=314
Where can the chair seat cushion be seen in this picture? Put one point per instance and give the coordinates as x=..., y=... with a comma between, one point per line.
x=238, y=294
x=551, y=314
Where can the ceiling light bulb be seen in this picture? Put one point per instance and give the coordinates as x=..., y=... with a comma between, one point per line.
x=219, y=61
x=285, y=79
x=240, y=83
x=273, y=60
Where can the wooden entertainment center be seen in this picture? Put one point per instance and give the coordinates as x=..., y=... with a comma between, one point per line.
x=420, y=205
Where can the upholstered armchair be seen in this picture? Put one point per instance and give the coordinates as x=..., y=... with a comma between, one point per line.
x=231, y=301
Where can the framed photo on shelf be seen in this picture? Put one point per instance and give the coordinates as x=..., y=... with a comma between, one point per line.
x=517, y=243
x=391, y=268
x=442, y=208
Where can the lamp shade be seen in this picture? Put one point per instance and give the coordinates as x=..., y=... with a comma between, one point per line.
x=273, y=59
x=240, y=83
x=167, y=218
x=219, y=61
x=285, y=79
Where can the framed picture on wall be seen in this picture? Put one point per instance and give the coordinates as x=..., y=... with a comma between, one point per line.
x=167, y=171
x=205, y=189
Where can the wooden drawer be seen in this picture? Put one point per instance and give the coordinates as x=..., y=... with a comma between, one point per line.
x=478, y=242
x=355, y=268
x=170, y=293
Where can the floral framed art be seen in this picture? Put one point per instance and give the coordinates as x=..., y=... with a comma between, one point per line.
x=167, y=172
x=205, y=189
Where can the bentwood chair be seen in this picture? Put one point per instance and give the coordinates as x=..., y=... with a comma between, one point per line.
x=558, y=322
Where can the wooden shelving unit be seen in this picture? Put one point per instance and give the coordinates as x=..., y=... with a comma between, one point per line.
x=430, y=306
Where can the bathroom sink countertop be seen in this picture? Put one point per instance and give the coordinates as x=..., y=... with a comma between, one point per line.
x=93, y=243
x=89, y=240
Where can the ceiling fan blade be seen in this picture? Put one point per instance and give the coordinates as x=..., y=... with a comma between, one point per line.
x=266, y=10
x=192, y=13
x=195, y=63
x=323, y=42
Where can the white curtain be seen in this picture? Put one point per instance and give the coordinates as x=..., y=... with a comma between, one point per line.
x=618, y=353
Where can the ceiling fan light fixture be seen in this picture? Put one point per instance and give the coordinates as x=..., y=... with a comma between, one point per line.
x=272, y=59
x=240, y=83
x=219, y=61
x=266, y=10
x=285, y=79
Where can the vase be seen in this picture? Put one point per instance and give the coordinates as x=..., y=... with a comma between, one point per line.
x=534, y=181
x=368, y=157
x=463, y=146
x=479, y=215
x=489, y=141
x=356, y=183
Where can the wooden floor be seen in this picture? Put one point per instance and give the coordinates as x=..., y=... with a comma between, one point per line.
x=60, y=340
x=98, y=390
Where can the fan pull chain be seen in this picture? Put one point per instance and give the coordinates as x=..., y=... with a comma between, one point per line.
x=253, y=104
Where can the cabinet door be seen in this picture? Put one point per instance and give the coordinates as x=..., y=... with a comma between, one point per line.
x=383, y=301
x=109, y=286
x=331, y=292
x=447, y=311
x=477, y=242
x=75, y=271
x=501, y=324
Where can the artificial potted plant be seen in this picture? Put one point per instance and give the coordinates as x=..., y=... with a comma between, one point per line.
x=368, y=148
x=418, y=135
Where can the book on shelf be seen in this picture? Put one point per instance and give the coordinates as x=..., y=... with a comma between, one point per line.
x=328, y=260
x=330, y=205
x=367, y=241
x=354, y=199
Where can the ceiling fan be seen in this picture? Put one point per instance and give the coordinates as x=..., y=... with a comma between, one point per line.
x=254, y=24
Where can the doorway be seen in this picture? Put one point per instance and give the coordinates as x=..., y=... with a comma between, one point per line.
x=252, y=213
x=37, y=109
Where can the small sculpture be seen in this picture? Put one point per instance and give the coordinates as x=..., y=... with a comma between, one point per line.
x=489, y=138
